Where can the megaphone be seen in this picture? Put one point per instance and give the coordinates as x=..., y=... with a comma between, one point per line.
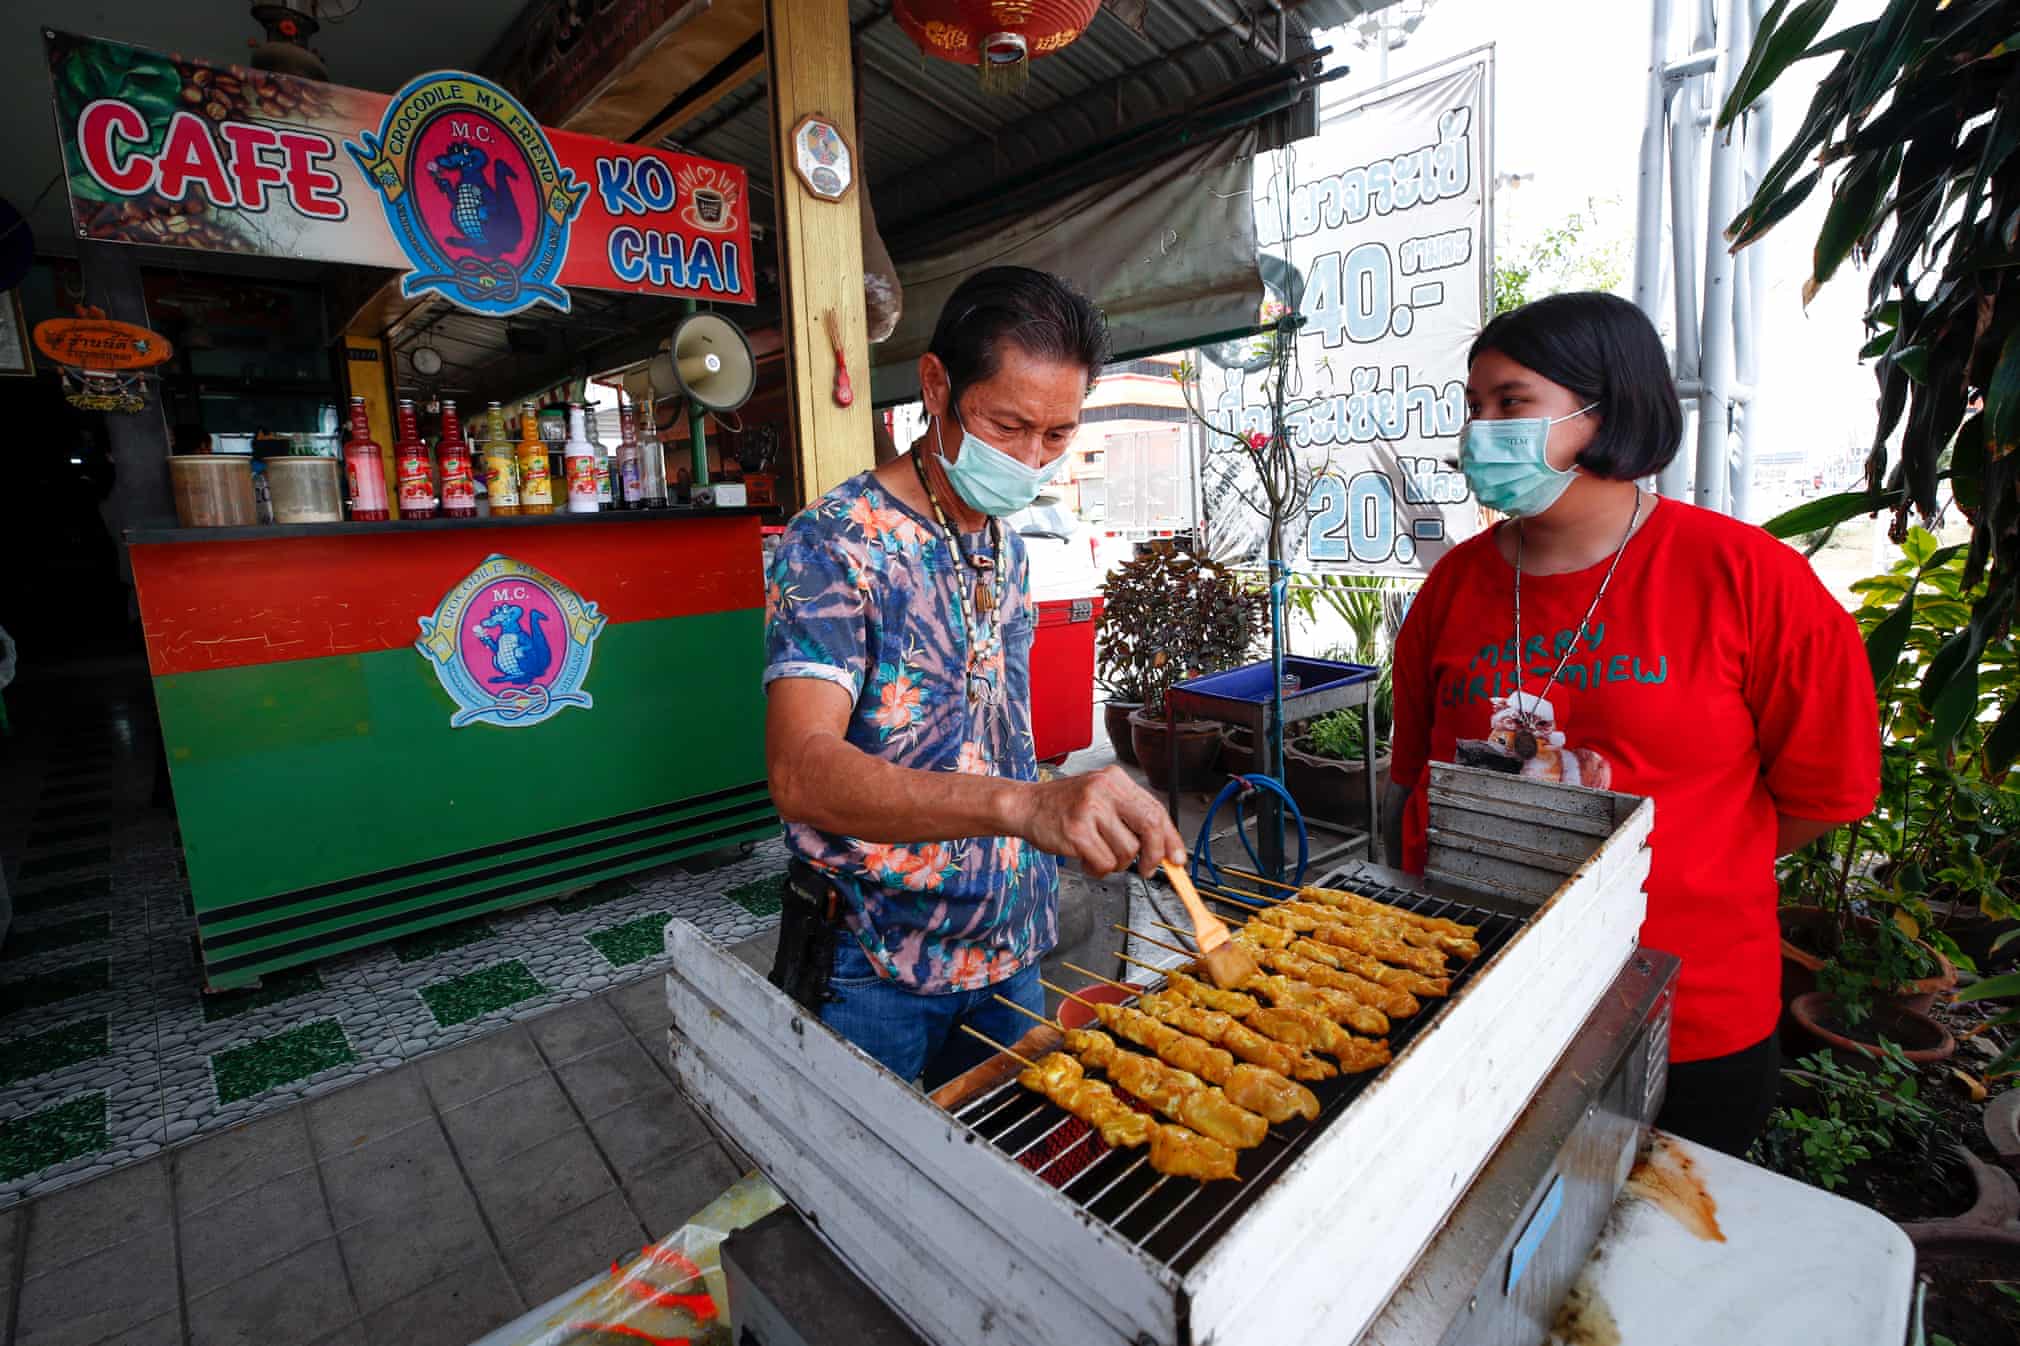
x=638, y=384
x=709, y=361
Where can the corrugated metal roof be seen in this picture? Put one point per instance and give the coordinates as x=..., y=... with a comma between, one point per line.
x=931, y=137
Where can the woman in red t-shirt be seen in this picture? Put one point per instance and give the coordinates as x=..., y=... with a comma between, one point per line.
x=1666, y=651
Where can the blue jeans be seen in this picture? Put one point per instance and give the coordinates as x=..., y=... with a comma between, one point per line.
x=916, y=1035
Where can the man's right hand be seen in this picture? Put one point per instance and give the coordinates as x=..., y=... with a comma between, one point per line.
x=1103, y=819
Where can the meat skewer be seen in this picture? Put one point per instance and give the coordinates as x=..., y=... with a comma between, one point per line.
x=1174, y=1150
x=1178, y=1094
x=1285, y=992
x=1273, y=946
x=1399, y=985
x=1340, y=897
x=1265, y=1092
x=1171, y=1007
x=1298, y=916
x=1304, y=912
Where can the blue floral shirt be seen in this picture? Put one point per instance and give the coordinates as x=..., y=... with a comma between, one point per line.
x=867, y=594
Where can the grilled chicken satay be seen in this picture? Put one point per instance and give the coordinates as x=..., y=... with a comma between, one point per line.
x=1259, y=1087
x=1429, y=962
x=1060, y=1078
x=1352, y=959
x=1260, y=934
x=1180, y=1050
x=1187, y=1154
x=1358, y=989
x=1293, y=1063
x=1173, y=1149
x=1390, y=1000
x=1310, y=915
x=1292, y=993
x=1208, y=996
x=1178, y=1094
x=1321, y=1034
x=1339, y=897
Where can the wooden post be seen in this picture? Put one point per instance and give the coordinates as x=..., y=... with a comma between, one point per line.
x=820, y=246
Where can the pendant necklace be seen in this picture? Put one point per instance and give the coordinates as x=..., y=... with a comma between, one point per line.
x=1584, y=622
x=987, y=589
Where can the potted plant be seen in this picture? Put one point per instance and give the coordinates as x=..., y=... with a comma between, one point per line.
x=1325, y=766
x=1167, y=616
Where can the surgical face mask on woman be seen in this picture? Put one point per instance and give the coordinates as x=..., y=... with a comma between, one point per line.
x=1507, y=463
x=989, y=479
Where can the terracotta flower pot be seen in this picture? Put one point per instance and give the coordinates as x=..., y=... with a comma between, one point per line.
x=1814, y=932
x=1328, y=788
x=1238, y=756
x=1924, y=1041
x=1115, y=718
x=1198, y=743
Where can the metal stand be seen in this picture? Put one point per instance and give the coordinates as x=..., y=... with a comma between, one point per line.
x=1333, y=686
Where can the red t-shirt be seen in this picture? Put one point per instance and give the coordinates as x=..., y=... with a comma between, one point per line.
x=1719, y=677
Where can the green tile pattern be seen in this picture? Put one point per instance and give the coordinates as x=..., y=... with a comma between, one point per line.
x=763, y=897
x=30, y=943
x=634, y=941
x=461, y=999
x=40, y=1053
x=60, y=895
x=273, y=988
x=610, y=890
x=442, y=939
x=52, y=1136
x=49, y=987
x=268, y=1063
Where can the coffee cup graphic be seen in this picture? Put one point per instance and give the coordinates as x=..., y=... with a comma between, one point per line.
x=709, y=205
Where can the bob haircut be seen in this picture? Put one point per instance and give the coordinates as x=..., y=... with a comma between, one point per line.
x=1602, y=349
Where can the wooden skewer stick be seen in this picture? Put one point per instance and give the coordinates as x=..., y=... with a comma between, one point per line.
x=1172, y=928
x=1068, y=994
x=976, y=1033
x=1032, y=1014
x=1147, y=967
x=1152, y=939
x=1242, y=904
x=1105, y=981
x=1257, y=878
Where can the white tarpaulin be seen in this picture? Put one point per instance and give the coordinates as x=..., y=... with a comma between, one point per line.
x=1377, y=229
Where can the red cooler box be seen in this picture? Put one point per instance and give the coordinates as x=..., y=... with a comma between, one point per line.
x=1062, y=676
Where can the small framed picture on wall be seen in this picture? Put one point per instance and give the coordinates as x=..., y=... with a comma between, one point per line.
x=17, y=357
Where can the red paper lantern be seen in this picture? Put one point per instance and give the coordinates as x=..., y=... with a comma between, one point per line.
x=1003, y=37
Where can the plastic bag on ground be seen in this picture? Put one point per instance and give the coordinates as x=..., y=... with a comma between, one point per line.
x=672, y=1293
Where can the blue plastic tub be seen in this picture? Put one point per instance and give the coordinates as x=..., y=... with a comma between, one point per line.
x=1249, y=685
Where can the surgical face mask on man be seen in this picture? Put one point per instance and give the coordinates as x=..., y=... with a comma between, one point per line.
x=989, y=479
x=1508, y=466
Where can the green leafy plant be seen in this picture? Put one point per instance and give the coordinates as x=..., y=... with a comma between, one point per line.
x=93, y=71
x=1940, y=839
x=1578, y=253
x=1916, y=128
x=1167, y=616
x=1338, y=735
x=1859, y=1116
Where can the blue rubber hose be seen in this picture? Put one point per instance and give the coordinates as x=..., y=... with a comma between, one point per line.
x=1203, y=866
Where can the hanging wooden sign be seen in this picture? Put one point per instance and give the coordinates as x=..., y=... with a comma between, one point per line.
x=97, y=343
x=822, y=158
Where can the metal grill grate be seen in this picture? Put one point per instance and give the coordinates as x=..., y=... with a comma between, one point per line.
x=1176, y=1219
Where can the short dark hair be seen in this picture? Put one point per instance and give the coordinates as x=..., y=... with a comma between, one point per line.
x=1045, y=316
x=1605, y=350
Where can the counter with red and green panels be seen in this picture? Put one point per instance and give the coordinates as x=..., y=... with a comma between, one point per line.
x=375, y=728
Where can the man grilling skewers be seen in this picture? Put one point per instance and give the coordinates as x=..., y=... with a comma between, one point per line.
x=898, y=731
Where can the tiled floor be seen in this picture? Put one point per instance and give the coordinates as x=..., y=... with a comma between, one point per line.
x=109, y=1049
x=430, y=1204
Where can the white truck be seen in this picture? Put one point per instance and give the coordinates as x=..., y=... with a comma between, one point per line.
x=1152, y=484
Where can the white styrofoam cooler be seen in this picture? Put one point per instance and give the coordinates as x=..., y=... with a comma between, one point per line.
x=976, y=1249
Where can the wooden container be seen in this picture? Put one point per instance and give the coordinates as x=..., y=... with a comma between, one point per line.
x=212, y=490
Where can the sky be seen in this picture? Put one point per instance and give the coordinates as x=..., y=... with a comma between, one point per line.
x=1571, y=97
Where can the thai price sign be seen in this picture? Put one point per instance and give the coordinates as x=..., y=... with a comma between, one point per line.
x=450, y=180
x=1376, y=232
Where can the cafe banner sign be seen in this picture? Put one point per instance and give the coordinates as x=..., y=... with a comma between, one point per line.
x=449, y=180
x=1376, y=232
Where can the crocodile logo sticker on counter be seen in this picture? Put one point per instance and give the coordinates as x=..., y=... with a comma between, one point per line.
x=474, y=194
x=511, y=645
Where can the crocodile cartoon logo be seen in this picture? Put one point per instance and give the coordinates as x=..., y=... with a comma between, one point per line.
x=511, y=645
x=519, y=650
x=483, y=210
x=473, y=194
